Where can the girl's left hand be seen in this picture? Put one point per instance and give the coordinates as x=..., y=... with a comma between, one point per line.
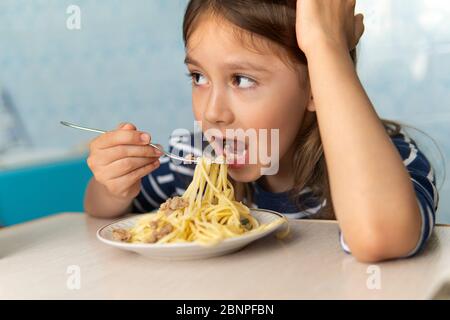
x=330, y=22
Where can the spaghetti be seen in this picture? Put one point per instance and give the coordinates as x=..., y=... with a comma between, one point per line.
x=207, y=213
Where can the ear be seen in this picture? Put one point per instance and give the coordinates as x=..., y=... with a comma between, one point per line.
x=311, y=107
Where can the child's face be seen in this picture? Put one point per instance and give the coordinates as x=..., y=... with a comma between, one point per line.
x=237, y=87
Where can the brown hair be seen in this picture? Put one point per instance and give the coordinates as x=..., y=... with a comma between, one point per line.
x=274, y=20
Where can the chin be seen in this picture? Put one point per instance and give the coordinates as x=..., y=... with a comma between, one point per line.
x=247, y=174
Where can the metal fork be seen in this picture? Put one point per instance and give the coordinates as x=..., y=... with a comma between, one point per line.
x=170, y=155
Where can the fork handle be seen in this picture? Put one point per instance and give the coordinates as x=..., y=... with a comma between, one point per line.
x=75, y=126
x=172, y=156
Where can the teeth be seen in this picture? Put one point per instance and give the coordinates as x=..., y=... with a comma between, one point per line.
x=234, y=151
x=233, y=158
x=234, y=147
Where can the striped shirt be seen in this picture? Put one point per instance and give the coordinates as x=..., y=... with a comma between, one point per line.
x=171, y=179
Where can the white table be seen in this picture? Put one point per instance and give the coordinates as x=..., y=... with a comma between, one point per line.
x=35, y=258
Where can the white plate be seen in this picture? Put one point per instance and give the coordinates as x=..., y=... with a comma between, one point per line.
x=187, y=251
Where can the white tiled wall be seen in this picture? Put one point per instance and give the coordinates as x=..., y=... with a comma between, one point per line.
x=405, y=66
x=126, y=64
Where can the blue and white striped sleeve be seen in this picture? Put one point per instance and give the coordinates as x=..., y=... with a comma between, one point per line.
x=424, y=182
x=169, y=180
x=156, y=188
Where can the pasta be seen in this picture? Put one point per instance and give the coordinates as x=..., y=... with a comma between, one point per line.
x=207, y=213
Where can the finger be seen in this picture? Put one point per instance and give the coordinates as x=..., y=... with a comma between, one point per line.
x=159, y=149
x=126, y=126
x=112, y=154
x=121, y=137
x=124, y=166
x=358, y=29
x=131, y=178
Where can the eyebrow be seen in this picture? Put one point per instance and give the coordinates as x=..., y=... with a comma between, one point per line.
x=232, y=65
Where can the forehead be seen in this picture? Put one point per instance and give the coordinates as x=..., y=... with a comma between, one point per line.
x=215, y=38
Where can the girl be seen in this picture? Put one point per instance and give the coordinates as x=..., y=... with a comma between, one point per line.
x=287, y=65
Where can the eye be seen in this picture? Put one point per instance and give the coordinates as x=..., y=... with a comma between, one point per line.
x=243, y=82
x=198, y=79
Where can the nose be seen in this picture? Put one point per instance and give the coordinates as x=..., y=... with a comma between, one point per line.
x=218, y=110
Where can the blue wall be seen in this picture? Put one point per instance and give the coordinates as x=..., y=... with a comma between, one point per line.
x=126, y=64
x=33, y=192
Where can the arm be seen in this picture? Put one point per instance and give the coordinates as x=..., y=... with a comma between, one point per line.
x=372, y=192
x=100, y=203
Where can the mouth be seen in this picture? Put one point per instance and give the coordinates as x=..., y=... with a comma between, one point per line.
x=235, y=151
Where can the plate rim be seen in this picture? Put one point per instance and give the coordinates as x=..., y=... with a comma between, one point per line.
x=182, y=244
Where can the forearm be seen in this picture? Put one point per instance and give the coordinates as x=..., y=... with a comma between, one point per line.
x=371, y=189
x=98, y=202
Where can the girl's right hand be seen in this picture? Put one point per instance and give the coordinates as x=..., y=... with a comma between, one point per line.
x=120, y=158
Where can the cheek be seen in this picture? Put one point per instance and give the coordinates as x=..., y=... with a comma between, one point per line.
x=196, y=106
x=279, y=106
x=289, y=132
x=286, y=116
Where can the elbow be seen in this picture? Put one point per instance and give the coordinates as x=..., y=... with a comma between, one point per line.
x=381, y=244
x=371, y=250
x=381, y=237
